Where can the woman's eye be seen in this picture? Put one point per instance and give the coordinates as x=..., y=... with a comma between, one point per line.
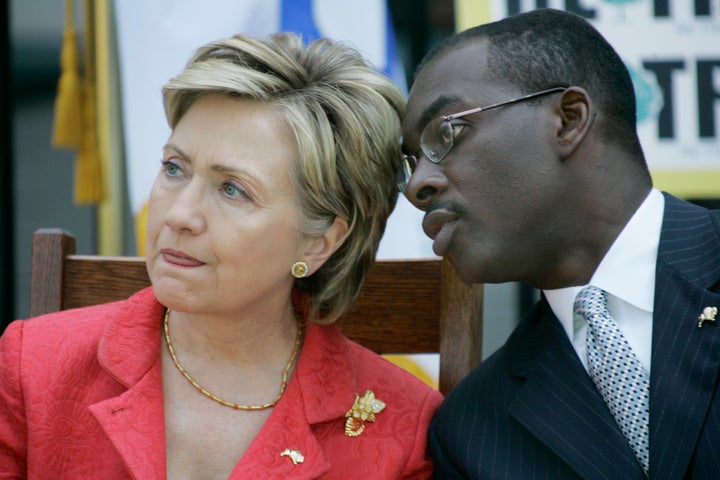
x=232, y=190
x=171, y=168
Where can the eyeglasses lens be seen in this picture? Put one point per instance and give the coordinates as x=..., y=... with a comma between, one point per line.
x=437, y=139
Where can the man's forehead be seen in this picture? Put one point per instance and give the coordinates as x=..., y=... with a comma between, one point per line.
x=428, y=111
x=448, y=82
x=428, y=96
x=470, y=54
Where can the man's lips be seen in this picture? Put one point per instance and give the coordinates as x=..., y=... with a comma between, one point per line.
x=436, y=219
x=179, y=258
x=438, y=224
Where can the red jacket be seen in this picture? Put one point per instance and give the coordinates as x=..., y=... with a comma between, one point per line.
x=81, y=398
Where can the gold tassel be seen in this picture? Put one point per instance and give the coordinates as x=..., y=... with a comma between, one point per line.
x=89, y=178
x=67, y=131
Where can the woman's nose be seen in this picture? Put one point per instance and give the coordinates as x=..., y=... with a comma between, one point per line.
x=186, y=211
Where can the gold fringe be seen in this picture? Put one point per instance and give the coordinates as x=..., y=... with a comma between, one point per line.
x=76, y=108
x=89, y=178
x=67, y=129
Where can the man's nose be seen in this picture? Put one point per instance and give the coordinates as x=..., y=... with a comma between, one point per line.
x=426, y=183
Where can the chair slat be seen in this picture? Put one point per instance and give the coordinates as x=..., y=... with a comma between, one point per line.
x=405, y=306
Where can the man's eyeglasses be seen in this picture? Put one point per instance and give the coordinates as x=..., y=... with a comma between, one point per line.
x=438, y=136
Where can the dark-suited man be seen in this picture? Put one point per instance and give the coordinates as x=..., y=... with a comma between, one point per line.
x=522, y=149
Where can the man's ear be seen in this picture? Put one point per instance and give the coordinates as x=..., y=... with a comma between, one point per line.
x=577, y=114
x=319, y=249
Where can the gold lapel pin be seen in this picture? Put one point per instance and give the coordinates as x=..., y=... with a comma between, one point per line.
x=363, y=410
x=294, y=455
x=708, y=314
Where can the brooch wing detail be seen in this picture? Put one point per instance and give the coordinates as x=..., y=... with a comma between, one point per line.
x=363, y=410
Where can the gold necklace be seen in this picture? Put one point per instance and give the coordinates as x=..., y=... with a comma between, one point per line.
x=236, y=406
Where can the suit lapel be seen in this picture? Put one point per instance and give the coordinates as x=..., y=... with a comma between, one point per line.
x=134, y=421
x=320, y=391
x=560, y=406
x=686, y=358
x=135, y=424
x=286, y=448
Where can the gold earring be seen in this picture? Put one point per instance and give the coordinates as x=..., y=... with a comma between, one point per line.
x=299, y=269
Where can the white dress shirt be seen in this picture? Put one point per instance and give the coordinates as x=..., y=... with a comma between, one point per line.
x=627, y=274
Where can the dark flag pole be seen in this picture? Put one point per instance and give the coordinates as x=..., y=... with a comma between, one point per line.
x=7, y=265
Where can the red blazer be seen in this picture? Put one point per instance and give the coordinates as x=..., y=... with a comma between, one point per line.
x=81, y=398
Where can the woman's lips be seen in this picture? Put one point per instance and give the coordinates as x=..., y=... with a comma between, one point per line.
x=176, y=257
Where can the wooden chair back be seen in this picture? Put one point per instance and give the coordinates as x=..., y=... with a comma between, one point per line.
x=405, y=306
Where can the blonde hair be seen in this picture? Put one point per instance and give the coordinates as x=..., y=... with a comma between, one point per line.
x=345, y=117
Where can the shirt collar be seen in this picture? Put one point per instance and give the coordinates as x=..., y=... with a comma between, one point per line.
x=627, y=269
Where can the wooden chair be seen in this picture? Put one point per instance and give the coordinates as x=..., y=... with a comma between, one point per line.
x=406, y=306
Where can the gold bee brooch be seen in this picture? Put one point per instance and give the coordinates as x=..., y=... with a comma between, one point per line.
x=363, y=410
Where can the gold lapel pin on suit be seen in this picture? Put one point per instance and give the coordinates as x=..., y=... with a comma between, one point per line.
x=708, y=315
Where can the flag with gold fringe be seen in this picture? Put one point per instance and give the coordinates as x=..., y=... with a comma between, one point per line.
x=75, y=123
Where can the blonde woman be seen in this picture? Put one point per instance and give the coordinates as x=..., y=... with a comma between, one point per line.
x=273, y=193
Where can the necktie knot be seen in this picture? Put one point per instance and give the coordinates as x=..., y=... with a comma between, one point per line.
x=590, y=303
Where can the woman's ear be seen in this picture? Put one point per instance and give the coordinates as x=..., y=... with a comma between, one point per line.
x=319, y=249
x=577, y=114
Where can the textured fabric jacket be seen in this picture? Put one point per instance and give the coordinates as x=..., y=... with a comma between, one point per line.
x=531, y=411
x=81, y=398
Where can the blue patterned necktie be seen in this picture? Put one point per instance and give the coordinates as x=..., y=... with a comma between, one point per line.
x=616, y=371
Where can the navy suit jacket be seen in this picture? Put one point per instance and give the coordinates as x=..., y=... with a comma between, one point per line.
x=531, y=411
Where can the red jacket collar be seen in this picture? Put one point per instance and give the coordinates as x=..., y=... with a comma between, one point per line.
x=322, y=389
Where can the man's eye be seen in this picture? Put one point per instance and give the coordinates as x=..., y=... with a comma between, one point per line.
x=457, y=128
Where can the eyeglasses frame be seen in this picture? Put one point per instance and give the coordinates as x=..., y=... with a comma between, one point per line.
x=409, y=162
